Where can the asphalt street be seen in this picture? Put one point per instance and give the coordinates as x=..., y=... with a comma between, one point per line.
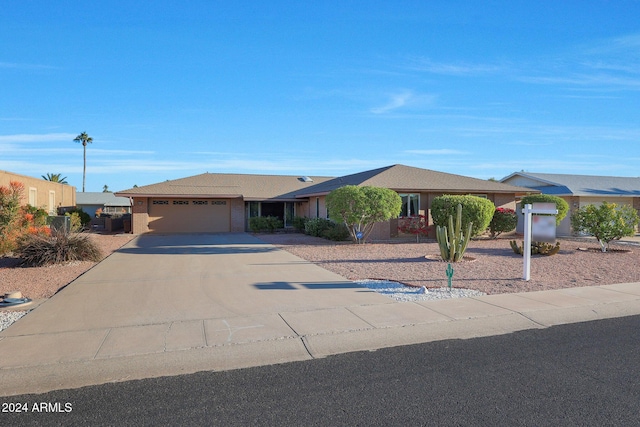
x=579, y=374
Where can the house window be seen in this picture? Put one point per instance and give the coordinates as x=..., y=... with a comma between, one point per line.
x=289, y=213
x=52, y=202
x=33, y=196
x=254, y=209
x=200, y=202
x=410, y=204
x=317, y=207
x=160, y=202
x=180, y=202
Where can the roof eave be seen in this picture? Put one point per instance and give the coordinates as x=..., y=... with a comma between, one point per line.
x=182, y=196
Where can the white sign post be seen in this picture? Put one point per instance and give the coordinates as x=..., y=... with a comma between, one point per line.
x=528, y=211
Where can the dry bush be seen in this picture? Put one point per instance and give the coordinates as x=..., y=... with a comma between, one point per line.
x=61, y=246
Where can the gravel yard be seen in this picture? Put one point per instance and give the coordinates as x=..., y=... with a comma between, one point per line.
x=43, y=282
x=496, y=268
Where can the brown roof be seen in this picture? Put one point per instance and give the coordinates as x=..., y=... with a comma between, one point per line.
x=250, y=187
x=287, y=187
x=403, y=178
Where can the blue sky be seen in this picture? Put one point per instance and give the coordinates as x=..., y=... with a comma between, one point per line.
x=169, y=89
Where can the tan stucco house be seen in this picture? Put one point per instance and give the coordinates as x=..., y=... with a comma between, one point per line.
x=41, y=193
x=213, y=202
x=579, y=191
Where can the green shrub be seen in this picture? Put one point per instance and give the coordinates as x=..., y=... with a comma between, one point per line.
x=76, y=222
x=39, y=215
x=316, y=226
x=504, y=220
x=336, y=232
x=606, y=222
x=299, y=223
x=270, y=224
x=85, y=218
x=61, y=246
x=477, y=210
x=561, y=205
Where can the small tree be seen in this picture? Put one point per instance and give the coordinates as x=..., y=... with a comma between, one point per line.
x=359, y=208
x=606, y=222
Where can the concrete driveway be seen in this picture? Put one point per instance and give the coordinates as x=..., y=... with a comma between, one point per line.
x=173, y=304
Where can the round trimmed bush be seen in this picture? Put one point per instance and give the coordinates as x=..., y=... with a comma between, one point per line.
x=561, y=204
x=504, y=220
x=474, y=209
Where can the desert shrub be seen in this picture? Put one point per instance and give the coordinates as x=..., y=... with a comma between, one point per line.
x=316, y=226
x=504, y=220
x=417, y=225
x=477, y=210
x=75, y=221
x=299, y=223
x=85, y=218
x=10, y=222
x=38, y=217
x=259, y=224
x=60, y=246
x=606, y=222
x=561, y=205
x=336, y=232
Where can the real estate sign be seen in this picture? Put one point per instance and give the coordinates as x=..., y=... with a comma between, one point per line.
x=543, y=227
x=531, y=212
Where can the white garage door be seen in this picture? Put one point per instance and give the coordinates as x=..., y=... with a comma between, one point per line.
x=189, y=216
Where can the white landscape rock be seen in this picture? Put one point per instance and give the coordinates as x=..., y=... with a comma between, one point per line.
x=7, y=318
x=400, y=292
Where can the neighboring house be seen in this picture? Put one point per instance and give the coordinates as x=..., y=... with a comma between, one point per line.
x=579, y=191
x=90, y=202
x=41, y=193
x=213, y=202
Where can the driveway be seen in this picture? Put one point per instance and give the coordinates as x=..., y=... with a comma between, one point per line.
x=173, y=278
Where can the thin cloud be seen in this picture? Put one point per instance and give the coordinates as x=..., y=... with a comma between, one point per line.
x=452, y=69
x=397, y=101
x=46, y=137
x=21, y=66
x=404, y=99
x=437, y=152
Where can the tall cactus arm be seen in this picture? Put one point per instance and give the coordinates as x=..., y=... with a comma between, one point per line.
x=443, y=242
x=458, y=220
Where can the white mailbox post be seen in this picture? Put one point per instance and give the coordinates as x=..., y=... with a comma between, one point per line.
x=529, y=210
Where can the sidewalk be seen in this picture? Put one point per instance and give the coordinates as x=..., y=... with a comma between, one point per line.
x=297, y=312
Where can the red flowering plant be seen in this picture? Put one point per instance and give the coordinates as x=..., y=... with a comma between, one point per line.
x=34, y=221
x=504, y=220
x=417, y=225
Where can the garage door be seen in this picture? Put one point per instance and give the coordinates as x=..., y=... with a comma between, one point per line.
x=189, y=216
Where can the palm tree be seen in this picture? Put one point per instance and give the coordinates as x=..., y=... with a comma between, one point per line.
x=55, y=177
x=84, y=139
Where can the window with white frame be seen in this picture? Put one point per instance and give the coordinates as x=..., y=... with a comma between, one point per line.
x=410, y=204
x=52, y=203
x=33, y=196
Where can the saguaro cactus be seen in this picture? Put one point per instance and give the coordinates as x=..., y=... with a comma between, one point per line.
x=452, y=241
